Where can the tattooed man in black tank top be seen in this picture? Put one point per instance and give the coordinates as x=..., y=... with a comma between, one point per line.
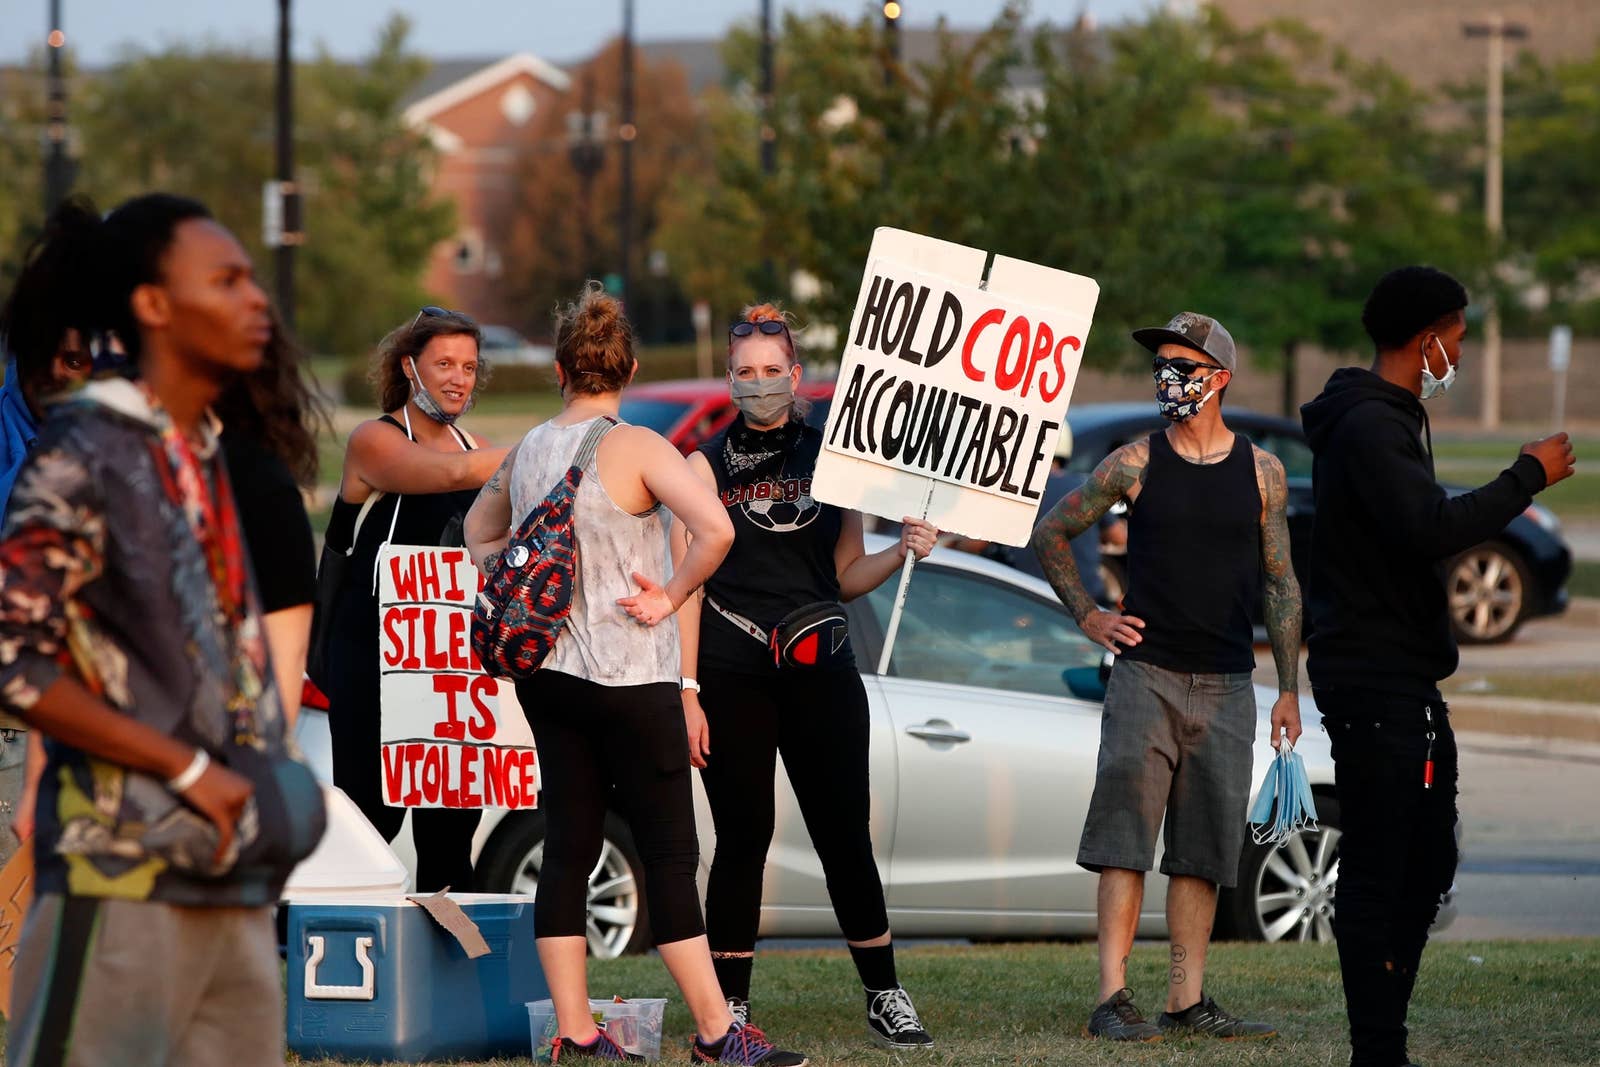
x=1208, y=538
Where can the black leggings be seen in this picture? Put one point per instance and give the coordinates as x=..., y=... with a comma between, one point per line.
x=601, y=745
x=819, y=721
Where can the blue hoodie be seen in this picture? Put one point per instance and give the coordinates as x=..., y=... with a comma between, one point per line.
x=18, y=430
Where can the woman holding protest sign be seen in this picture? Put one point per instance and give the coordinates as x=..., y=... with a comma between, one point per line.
x=408, y=476
x=603, y=705
x=768, y=668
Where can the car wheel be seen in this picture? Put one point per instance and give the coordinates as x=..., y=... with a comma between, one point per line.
x=1285, y=892
x=1488, y=591
x=512, y=858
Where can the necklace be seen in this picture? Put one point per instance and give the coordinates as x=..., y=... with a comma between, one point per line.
x=1205, y=458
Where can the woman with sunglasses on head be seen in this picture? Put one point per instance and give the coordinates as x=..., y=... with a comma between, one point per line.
x=793, y=559
x=408, y=475
x=603, y=706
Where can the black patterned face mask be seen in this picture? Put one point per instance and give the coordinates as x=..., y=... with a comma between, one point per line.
x=1179, y=396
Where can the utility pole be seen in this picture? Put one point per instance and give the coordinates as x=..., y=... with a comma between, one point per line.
x=57, y=167
x=891, y=40
x=1496, y=29
x=287, y=190
x=626, y=134
x=769, y=133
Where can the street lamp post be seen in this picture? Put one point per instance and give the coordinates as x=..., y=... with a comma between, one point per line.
x=57, y=166
x=626, y=134
x=287, y=190
x=1496, y=29
x=586, y=150
x=891, y=40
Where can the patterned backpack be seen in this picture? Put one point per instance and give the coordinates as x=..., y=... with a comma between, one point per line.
x=524, y=605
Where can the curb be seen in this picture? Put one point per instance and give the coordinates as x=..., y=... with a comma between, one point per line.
x=1525, y=718
x=1582, y=611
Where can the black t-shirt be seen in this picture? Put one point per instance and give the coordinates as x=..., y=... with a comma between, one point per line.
x=783, y=547
x=272, y=517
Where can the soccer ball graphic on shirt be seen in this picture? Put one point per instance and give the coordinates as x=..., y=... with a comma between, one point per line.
x=782, y=516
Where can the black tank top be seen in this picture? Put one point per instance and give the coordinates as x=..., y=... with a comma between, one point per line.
x=422, y=521
x=1194, y=560
x=783, y=543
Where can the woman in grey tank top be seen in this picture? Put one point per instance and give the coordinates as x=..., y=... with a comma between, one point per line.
x=604, y=707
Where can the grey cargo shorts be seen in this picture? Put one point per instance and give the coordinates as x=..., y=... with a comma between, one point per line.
x=1175, y=745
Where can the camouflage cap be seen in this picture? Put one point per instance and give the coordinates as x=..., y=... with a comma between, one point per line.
x=1202, y=333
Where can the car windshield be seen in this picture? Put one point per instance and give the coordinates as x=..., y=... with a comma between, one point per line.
x=659, y=415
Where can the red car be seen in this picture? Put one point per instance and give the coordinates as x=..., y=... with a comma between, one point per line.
x=691, y=411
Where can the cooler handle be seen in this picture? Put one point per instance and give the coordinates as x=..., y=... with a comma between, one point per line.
x=316, y=991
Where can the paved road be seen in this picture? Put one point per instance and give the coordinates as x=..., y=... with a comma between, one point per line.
x=1530, y=864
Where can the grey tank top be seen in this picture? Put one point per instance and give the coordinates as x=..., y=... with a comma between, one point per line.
x=600, y=642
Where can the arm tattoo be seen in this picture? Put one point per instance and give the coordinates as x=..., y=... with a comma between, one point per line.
x=1078, y=512
x=491, y=562
x=1282, y=609
x=496, y=482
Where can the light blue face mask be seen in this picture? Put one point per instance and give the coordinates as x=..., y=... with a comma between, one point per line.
x=1284, y=807
x=429, y=406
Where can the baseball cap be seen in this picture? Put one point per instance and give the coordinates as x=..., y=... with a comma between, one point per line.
x=1192, y=330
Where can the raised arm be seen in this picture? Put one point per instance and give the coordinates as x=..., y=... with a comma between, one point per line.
x=381, y=457
x=1118, y=477
x=1282, y=610
x=487, y=526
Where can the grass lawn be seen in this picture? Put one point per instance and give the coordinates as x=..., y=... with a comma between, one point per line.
x=1474, y=461
x=1476, y=1003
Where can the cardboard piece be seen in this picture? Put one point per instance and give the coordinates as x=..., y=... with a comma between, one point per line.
x=956, y=380
x=451, y=736
x=16, y=894
x=448, y=914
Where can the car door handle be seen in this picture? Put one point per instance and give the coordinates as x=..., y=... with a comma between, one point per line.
x=939, y=730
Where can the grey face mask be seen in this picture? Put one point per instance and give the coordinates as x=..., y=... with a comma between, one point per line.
x=429, y=406
x=763, y=401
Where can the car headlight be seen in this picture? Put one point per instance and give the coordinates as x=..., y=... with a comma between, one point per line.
x=1545, y=518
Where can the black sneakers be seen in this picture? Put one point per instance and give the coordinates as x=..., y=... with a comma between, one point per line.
x=601, y=1048
x=1207, y=1019
x=893, y=1022
x=1118, y=1020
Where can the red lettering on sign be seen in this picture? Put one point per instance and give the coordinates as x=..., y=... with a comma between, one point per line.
x=433, y=657
x=432, y=773
x=450, y=559
x=482, y=724
x=494, y=792
x=393, y=773
x=469, y=775
x=452, y=728
x=1043, y=340
x=413, y=758
x=529, y=761
x=989, y=318
x=395, y=649
x=460, y=654
x=405, y=581
x=1007, y=377
x=428, y=576
x=1048, y=393
x=411, y=662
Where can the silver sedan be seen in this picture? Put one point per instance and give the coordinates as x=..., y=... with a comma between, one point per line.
x=984, y=739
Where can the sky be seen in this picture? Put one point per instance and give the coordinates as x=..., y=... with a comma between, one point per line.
x=558, y=30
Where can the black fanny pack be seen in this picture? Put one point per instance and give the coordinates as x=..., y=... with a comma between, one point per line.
x=816, y=635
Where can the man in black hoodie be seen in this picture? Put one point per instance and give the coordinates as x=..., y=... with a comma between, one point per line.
x=1381, y=639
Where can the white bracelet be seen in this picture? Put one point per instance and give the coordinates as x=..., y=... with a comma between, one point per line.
x=688, y=685
x=191, y=774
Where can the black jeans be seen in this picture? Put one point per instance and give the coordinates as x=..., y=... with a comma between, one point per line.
x=819, y=721
x=622, y=745
x=1397, y=854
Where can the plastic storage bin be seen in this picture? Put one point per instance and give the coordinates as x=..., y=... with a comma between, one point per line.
x=379, y=979
x=633, y=1024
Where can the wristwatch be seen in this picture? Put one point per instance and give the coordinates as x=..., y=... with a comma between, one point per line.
x=689, y=684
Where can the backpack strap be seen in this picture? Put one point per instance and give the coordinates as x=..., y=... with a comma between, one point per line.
x=591, y=441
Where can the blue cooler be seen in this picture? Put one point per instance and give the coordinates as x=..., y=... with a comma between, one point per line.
x=380, y=979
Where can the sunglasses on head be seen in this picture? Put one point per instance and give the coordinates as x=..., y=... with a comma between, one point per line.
x=1185, y=367
x=432, y=312
x=770, y=327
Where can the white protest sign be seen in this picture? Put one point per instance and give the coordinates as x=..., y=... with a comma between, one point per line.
x=952, y=393
x=452, y=737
